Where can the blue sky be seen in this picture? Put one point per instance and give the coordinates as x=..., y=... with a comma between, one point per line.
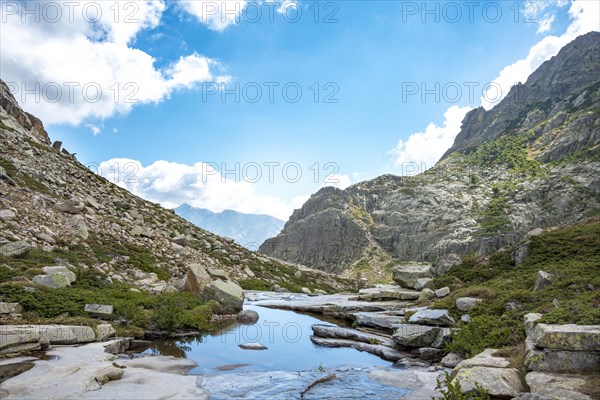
x=367, y=54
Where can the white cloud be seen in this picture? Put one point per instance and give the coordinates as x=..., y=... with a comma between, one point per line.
x=199, y=185
x=80, y=69
x=95, y=130
x=584, y=19
x=545, y=24
x=423, y=149
x=217, y=15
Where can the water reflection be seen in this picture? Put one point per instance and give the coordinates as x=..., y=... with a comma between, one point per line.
x=286, y=335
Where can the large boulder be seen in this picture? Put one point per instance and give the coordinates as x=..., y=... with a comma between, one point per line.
x=10, y=308
x=451, y=360
x=563, y=361
x=563, y=386
x=14, y=249
x=465, y=304
x=432, y=317
x=542, y=280
x=197, y=279
x=500, y=383
x=566, y=337
x=408, y=275
x=105, y=331
x=60, y=270
x=227, y=293
x=411, y=335
x=99, y=310
x=248, y=317
x=54, y=281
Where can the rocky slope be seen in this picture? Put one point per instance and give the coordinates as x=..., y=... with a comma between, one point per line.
x=530, y=162
x=249, y=230
x=55, y=211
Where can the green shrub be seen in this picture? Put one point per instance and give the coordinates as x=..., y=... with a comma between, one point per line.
x=254, y=284
x=6, y=273
x=453, y=391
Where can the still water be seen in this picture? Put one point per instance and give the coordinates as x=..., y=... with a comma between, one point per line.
x=286, y=335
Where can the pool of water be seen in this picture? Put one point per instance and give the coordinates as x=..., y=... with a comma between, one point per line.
x=286, y=335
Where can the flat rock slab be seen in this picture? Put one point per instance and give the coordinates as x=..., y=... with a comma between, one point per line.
x=411, y=335
x=484, y=359
x=252, y=346
x=432, y=317
x=563, y=386
x=387, y=292
x=566, y=337
x=349, y=383
x=378, y=320
x=384, y=352
x=570, y=362
x=336, y=332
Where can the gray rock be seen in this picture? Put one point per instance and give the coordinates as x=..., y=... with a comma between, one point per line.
x=443, y=292
x=443, y=338
x=530, y=396
x=424, y=283
x=567, y=337
x=432, y=317
x=502, y=383
x=252, y=346
x=465, y=318
x=227, y=293
x=60, y=270
x=217, y=274
x=426, y=294
x=248, y=317
x=542, y=280
x=70, y=206
x=520, y=253
x=408, y=275
x=451, y=360
x=430, y=354
x=197, y=279
x=99, y=310
x=445, y=263
x=570, y=362
x=79, y=227
x=54, y=281
x=486, y=358
x=465, y=304
x=10, y=308
x=387, y=292
x=563, y=386
x=385, y=352
x=411, y=335
x=7, y=215
x=14, y=249
x=104, y=331
x=378, y=320
x=337, y=332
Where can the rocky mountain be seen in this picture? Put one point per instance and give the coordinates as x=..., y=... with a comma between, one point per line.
x=533, y=161
x=55, y=212
x=248, y=230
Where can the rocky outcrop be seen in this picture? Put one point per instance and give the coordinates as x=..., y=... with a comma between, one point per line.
x=461, y=206
x=24, y=338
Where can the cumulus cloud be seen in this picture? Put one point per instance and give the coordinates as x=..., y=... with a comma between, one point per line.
x=545, y=24
x=83, y=64
x=584, y=19
x=422, y=149
x=199, y=185
x=216, y=15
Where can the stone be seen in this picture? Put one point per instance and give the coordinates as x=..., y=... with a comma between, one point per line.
x=248, y=317
x=530, y=322
x=381, y=351
x=104, y=331
x=197, y=279
x=54, y=281
x=90, y=201
x=520, y=253
x=530, y=396
x=570, y=362
x=465, y=304
x=227, y=293
x=387, y=292
x=443, y=338
x=423, y=283
x=443, y=292
x=217, y=274
x=337, y=332
x=408, y=275
x=99, y=310
x=15, y=249
x=411, y=335
x=484, y=359
x=451, y=360
x=7, y=215
x=567, y=337
x=465, y=318
x=504, y=383
x=70, y=206
x=79, y=227
x=249, y=272
x=542, y=280
x=446, y=262
x=563, y=386
x=252, y=346
x=432, y=317
x=430, y=354
x=305, y=290
x=10, y=308
x=60, y=270
x=426, y=294
x=378, y=320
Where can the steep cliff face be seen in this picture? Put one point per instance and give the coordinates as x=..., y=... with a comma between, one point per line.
x=532, y=161
x=55, y=211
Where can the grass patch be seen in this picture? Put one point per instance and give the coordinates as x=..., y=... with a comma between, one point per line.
x=570, y=254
